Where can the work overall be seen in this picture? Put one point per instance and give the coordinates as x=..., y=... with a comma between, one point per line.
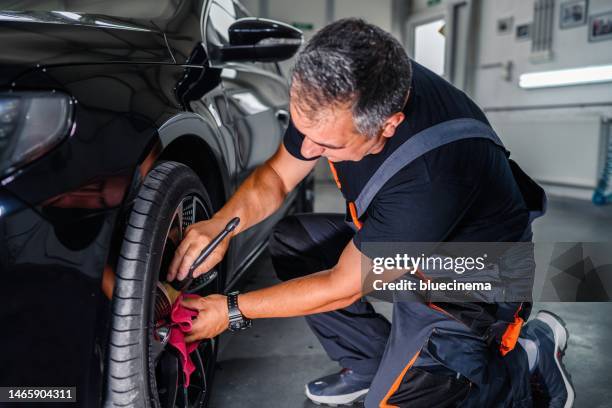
x=399, y=357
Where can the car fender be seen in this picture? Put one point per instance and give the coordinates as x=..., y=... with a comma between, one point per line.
x=189, y=124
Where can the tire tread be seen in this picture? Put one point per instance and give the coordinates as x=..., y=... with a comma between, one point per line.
x=130, y=297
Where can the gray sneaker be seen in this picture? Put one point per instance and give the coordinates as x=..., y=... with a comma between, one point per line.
x=551, y=383
x=343, y=388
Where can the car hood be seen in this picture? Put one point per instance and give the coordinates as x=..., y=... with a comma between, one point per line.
x=31, y=40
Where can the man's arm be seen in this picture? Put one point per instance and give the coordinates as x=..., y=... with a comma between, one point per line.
x=260, y=195
x=323, y=291
x=320, y=292
x=263, y=192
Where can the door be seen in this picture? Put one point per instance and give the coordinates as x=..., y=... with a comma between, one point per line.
x=439, y=37
x=257, y=100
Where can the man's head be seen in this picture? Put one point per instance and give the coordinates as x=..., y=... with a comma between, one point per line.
x=348, y=88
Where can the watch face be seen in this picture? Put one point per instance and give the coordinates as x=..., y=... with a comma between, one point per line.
x=237, y=325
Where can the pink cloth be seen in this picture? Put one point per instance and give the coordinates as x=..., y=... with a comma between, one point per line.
x=181, y=324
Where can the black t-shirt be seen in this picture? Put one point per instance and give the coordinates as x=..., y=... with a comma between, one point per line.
x=462, y=191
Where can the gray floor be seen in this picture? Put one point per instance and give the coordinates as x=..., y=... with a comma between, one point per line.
x=268, y=365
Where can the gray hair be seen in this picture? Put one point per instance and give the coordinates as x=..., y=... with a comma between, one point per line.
x=355, y=64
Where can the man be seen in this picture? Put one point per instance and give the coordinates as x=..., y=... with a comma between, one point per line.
x=355, y=99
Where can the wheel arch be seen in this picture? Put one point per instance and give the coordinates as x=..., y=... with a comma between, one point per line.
x=191, y=151
x=189, y=139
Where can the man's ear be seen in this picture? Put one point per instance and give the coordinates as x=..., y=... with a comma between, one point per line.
x=392, y=123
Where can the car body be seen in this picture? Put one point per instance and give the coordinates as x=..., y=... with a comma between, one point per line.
x=139, y=86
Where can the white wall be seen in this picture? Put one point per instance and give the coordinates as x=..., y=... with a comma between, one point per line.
x=376, y=12
x=562, y=148
x=570, y=49
x=252, y=6
x=311, y=11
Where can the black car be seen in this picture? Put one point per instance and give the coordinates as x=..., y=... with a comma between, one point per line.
x=122, y=123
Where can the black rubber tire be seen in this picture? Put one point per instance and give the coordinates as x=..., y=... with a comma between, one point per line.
x=131, y=374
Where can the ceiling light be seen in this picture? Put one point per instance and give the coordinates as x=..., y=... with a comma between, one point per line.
x=566, y=77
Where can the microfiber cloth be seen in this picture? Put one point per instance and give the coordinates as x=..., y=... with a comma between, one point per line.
x=180, y=324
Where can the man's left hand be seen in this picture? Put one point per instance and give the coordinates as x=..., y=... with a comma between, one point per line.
x=212, y=317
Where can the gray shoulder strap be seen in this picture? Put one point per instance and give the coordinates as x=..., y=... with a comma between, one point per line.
x=419, y=144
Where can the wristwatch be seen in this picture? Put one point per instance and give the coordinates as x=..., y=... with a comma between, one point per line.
x=236, y=320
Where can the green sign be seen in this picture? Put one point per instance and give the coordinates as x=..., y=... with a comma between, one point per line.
x=431, y=3
x=303, y=26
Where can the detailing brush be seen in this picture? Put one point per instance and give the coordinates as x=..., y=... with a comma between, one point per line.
x=171, y=290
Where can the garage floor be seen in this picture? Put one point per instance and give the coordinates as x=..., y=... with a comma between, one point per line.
x=268, y=365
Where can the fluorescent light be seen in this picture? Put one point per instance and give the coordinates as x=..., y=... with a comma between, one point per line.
x=566, y=77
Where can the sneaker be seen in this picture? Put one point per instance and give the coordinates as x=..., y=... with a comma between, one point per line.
x=343, y=388
x=551, y=383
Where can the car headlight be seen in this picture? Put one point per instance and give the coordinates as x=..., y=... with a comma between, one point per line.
x=31, y=124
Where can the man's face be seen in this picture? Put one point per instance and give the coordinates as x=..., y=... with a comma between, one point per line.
x=335, y=136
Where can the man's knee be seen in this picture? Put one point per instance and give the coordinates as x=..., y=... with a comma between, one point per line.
x=282, y=236
x=307, y=243
x=284, y=247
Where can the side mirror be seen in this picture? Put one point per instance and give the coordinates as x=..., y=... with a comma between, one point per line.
x=258, y=39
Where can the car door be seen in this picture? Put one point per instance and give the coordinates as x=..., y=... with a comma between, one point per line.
x=257, y=98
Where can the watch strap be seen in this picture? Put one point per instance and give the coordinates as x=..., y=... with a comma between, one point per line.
x=236, y=320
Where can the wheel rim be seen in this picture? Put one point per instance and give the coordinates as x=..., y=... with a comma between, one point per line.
x=169, y=377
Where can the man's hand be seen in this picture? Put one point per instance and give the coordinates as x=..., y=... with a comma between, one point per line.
x=212, y=317
x=260, y=195
x=197, y=236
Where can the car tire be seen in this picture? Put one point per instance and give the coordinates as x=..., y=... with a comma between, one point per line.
x=137, y=355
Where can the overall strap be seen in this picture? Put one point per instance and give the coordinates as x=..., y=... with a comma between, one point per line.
x=419, y=144
x=351, y=205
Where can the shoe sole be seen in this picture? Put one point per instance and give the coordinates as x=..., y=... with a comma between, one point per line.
x=560, y=335
x=337, y=400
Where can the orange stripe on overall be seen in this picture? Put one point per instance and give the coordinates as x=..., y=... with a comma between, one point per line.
x=511, y=335
x=351, y=205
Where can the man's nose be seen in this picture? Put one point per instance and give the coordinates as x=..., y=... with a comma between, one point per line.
x=309, y=149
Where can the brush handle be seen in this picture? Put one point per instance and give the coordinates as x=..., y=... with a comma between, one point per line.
x=212, y=245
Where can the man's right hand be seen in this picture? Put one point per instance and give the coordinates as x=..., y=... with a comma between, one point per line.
x=196, y=237
x=258, y=196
